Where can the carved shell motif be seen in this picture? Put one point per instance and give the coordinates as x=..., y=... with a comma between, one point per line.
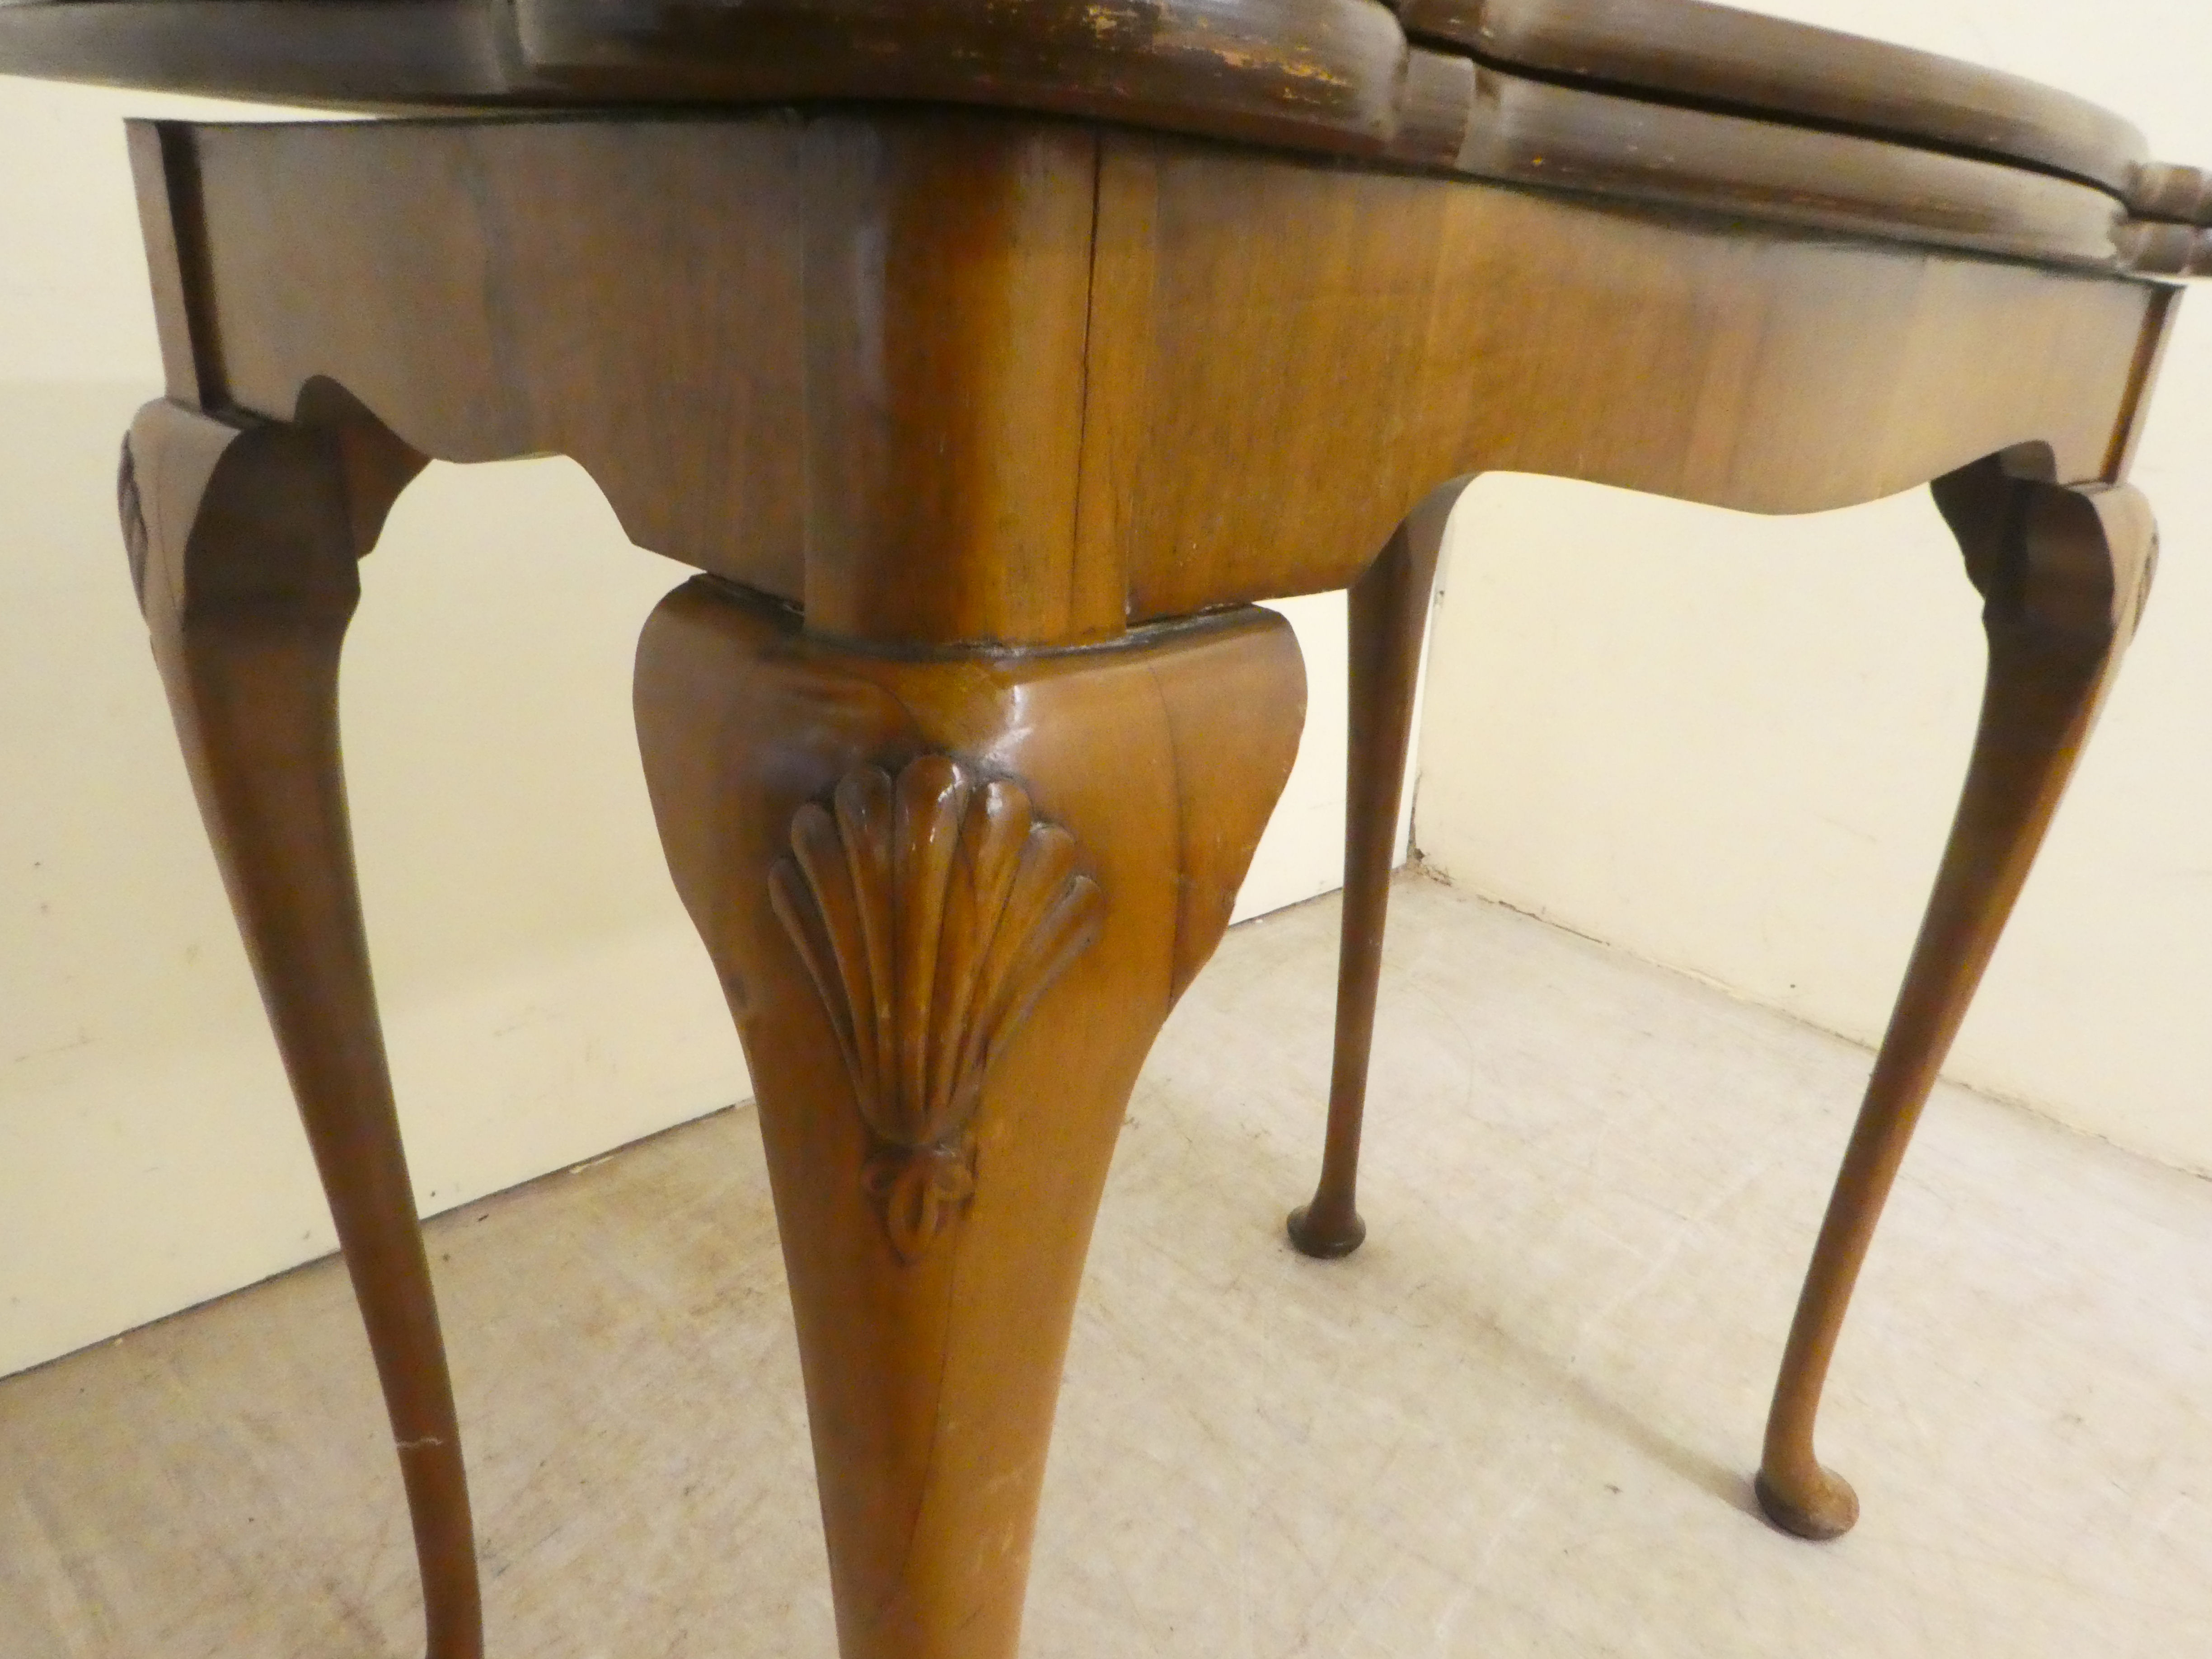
x=932, y=912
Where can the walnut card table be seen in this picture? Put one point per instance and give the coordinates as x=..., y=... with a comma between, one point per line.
x=988, y=361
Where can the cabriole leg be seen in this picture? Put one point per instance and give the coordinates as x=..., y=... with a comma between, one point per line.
x=243, y=543
x=1389, y=617
x=951, y=898
x=2064, y=572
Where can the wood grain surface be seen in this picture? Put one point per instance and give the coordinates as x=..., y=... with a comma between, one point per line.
x=1457, y=330
x=1206, y=340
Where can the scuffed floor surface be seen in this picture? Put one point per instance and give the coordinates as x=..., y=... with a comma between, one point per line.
x=1518, y=1423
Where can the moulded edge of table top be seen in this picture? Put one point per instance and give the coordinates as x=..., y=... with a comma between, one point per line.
x=1779, y=68
x=1334, y=76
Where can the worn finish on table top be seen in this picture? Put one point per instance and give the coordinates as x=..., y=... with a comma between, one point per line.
x=1671, y=102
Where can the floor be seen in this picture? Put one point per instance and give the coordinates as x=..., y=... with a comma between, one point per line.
x=1518, y=1423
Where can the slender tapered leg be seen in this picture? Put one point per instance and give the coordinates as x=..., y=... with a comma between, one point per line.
x=2064, y=572
x=1389, y=616
x=951, y=896
x=243, y=541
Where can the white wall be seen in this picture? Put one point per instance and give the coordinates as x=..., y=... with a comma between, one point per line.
x=1733, y=745
x=545, y=998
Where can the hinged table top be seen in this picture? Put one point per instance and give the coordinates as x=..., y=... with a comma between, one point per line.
x=1670, y=102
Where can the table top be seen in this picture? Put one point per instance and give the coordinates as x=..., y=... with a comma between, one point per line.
x=1672, y=103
